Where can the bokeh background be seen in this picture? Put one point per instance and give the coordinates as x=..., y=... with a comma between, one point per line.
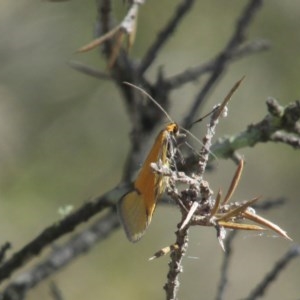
x=64, y=139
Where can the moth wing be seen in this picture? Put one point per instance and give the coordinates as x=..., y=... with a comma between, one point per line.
x=152, y=185
x=133, y=215
x=136, y=207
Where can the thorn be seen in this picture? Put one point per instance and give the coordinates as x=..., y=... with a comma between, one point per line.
x=164, y=251
x=189, y=215
x=235, y=180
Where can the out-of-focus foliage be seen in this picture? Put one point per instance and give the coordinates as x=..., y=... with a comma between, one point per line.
x=63, y=139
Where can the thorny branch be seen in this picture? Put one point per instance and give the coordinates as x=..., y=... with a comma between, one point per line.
x=198, y=208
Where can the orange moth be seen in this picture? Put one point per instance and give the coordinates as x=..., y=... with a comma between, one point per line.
x=137, y=206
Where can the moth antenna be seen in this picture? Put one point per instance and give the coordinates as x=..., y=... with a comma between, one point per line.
x=166, y=114
x=151, y=98
x=199, y=141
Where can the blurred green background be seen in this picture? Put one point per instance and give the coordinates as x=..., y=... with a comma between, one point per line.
x=64, y=139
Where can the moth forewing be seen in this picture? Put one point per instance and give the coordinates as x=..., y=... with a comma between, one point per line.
x=136, y=207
